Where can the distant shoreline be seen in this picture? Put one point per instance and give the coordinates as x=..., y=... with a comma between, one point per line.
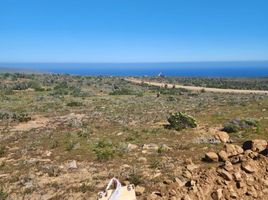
x=182, y=69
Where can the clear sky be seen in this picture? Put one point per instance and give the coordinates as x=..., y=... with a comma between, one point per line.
x=133, y=30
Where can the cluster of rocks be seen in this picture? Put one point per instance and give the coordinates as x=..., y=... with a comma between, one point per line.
x=241, y=173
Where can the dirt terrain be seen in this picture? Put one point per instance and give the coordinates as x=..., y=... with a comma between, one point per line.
x=195, y=88
x=65, y=137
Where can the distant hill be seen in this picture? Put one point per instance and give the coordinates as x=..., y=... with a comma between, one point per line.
x=17, y=70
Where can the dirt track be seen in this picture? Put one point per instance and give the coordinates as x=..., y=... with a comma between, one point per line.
x=195, y=88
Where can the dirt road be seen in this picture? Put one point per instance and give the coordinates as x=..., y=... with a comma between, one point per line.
x=195, y=88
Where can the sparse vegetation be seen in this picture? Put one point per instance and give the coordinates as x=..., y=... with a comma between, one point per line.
x=2, y=150
x=80, y=131
x=179, y=121
x=237, y=125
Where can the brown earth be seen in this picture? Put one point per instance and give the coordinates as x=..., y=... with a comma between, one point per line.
x=195, y=88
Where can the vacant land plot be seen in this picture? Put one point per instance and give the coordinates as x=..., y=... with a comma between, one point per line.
x=64, y=137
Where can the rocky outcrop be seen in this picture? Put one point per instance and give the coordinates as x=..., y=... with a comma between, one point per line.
x=241, y=174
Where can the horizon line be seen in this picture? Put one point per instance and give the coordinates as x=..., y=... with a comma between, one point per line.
x=131, y=62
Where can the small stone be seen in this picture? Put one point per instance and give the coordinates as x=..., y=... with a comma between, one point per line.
x=142, y=159
x=139, y=190
x=226, y=175
x=237, y=176
x=228, y=166
x=191, y=167
x=223, y=155
x=150, y=147
x=72, y=164
x=131, y=147
x=235, y=159
x=222, y=136
x=217, y=195
x=211, y=157
x=119, y=134
x=179, y=182
x=248, y=167
x=165, y=147
x=125, y=167
x=251, y=154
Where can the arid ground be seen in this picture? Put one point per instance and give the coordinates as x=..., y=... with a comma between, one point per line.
x=65, y=137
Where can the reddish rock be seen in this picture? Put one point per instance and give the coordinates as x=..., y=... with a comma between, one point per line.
x=211, y=157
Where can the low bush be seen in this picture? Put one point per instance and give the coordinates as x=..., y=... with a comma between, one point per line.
x=123, y=91
x=2, y=150
x=74, y=104
x=22, y=117
x=3, y=194
x=179, y=121
x=237, y=125
x=104, y=150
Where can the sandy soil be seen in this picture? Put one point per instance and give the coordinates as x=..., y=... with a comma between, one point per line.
x=195, y=88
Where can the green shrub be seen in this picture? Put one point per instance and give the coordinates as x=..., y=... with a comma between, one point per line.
x=231, y=128
x=135, y=177
x=123, y=91
x=71, y=145
x=237, y=125
x=2, y=150
x=179, y=121
x=22, y=117
x=74, y=104
x=3, y=194
x=104, y=150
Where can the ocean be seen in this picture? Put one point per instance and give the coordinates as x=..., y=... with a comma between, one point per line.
x=194, y=69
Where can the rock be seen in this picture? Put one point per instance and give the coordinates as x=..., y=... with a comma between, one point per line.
x=237, y=176
x=125, y=167
x=179, y=182
x=222, y=136
x=255, y=145
x=131, y=147
x=233, y=150
x=72, y=164
x=165, y=147
x=226, y=175
x=217, y=195
x=251, y=154
x=120, y=133
x=248, y=167
x=28, y=184
x=228, y=166
x=191, y=167
x=186, y=174
x=51, y=170
x=223, y=155
x=211, y=157
x=235, y=159
x=190, y=183
x=186, y=197
x=47, y=153
x=150, y=147
x=139, y=190
x=142, y=159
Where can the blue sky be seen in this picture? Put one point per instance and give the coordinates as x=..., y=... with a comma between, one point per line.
x=133, y=30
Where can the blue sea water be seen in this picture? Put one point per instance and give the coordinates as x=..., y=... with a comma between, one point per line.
x=197, y=69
